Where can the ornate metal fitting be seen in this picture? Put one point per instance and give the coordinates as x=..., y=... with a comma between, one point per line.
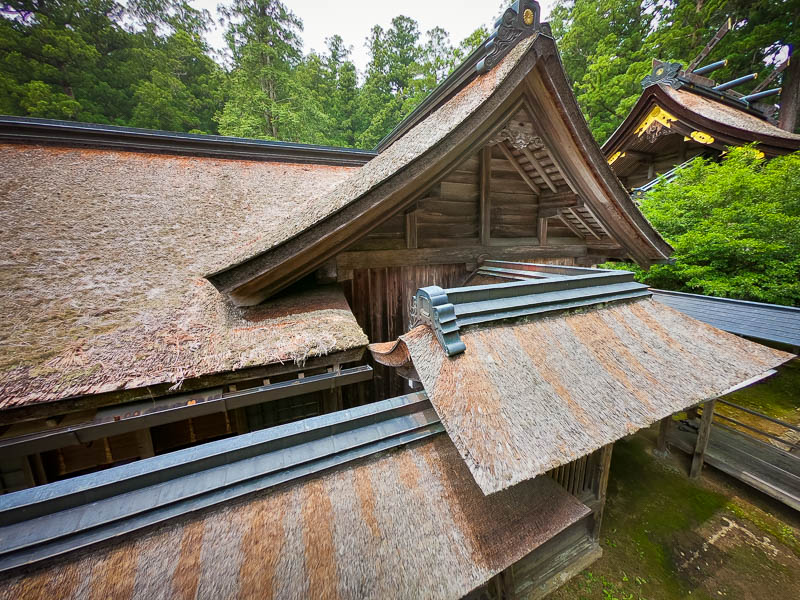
x=664, y=73
x=519, y=20
x=431, y=307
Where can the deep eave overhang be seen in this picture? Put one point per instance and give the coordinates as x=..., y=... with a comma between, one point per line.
x=724, y=135
x=262, y=275
x=68, y=133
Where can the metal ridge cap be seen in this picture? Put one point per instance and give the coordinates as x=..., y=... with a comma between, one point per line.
x=553, y=298
x=53, y=526
x=23, y=129
x=83, y=537
x=531, y=310
x=18, y=505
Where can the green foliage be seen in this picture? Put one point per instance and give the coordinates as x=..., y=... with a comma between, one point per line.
x=607, y=46
x=735, y=227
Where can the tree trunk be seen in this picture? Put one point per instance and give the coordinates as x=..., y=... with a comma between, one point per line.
x=790, y=96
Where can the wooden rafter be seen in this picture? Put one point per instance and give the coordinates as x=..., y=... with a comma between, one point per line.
x=599, y=224
x=571, y=227
x=582, y=222
x=522, y=172
x=539, y=169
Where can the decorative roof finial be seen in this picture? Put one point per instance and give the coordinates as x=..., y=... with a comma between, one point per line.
x=520, y=20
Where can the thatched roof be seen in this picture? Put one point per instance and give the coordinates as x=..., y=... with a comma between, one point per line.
x=103, y=252
x=409, y=523
x=389, y=181
x=526, y=397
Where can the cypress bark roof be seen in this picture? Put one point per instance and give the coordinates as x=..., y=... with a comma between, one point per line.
x=526, y=397
x=405, y=524
x=103, y=256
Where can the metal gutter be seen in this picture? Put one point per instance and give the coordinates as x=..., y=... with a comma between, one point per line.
x=43, y=522
x=51, y=131
x=446, y=311
x=115, y=420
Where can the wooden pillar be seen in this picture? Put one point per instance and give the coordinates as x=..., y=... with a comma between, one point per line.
x=663, y=431
x=541, y=231
x=604, y=469
x=703, y=436
x=144, y=443
x=411, y=229
x=486, y=201
x=38, y=468
x=790, y=96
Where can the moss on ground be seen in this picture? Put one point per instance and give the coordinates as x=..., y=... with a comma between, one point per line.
x=776, y=396
x=650, y=530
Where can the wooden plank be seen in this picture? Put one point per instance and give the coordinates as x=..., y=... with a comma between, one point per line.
x=702, y=439
x=522, y=172
x=539, y=169
x=499, y=250
x=411, y=229
x=486, y=199
x=541, y=231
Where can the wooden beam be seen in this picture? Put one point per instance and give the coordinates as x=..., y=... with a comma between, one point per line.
x=522, y=172
x=486, y=199
x=604, y=468
x=539, y=169
x=597, y=220
x=726, y=27
x=703, y=435
x=541, y=231
x=411, y=229
x=449, y=255
x=571, y=227
x=582, y=222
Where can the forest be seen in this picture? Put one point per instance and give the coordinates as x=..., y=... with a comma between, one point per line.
x=148, y=63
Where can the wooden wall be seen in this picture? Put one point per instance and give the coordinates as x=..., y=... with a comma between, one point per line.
x=381, y=301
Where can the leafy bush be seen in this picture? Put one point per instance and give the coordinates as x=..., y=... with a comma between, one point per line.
x=735, y=227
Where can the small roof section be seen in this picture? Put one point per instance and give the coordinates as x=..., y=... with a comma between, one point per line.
x=529, y=77
x=529, y=395
x=403, y=524
x=676, y=102
x=767, y=322
x=102, y=286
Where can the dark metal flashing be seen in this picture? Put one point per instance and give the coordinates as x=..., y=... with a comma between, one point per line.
x=50, y=131
x=766, y=322
x=116, y=420
x=53, y=519
x=554, y=289
x=518, y=21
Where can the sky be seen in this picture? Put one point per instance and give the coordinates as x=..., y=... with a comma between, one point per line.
x=353, y=19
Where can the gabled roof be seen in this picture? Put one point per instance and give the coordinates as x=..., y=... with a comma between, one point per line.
x=531, y=78
x=526, y=395
x=676, y=102
x=103, y=256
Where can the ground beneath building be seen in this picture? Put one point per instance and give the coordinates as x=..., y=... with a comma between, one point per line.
x=665, y=537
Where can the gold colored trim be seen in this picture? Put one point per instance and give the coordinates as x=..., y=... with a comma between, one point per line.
x=527, y=16
x=657, y=115
x=702, y=137
x=615, y=156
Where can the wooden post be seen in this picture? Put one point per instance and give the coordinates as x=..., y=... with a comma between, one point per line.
x=411, y=229
x=541, y=232
x=486, y=201
x=144, y=443
x=702, y=439
x=663, y=431
x=602, y=484
x=790, y=96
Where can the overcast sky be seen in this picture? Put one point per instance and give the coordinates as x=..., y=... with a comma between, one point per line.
x=353, y=19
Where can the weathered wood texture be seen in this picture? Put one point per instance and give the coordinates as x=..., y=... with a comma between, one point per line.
x=702, y=439
x=381, y=301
